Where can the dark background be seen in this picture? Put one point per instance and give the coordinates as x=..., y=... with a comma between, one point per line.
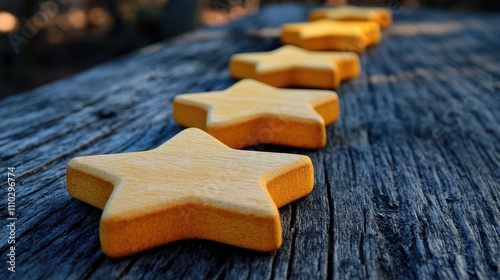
x=45, y=40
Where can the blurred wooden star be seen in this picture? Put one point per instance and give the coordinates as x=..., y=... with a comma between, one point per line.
x=192, y=186
x=330, y=35
x=291, y=66
x=382, y=16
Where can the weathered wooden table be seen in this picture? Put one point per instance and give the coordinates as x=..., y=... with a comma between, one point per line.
x=407, y=186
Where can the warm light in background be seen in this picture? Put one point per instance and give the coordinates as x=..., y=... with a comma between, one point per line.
x=8, y=22
x=100, y=17
x=232, y=12
x=77, y=18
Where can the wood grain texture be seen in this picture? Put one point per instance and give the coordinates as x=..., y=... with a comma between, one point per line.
x=291, y=66
x=332, y=35
x=382, y=16
x=193, y=186
x=252, y=113
x=407, y=185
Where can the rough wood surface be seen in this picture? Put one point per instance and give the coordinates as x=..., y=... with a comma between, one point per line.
x=407, y=185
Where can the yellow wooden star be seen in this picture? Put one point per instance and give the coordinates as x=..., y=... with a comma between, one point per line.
x=251, y=113
x=291, y=66
x=192, y=186
x=330, y=35
x=347, y=12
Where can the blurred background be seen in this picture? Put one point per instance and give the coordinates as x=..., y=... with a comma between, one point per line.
x=45, y=40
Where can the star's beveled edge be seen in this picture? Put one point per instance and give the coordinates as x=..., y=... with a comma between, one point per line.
x=122, y=237
x=288, y=126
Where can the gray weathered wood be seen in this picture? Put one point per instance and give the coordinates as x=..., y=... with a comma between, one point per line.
x=407, y=186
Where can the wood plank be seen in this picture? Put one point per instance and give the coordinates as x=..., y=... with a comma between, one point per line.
x=407, y=185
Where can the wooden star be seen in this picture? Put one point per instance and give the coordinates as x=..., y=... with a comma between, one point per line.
x=251, y=113
x=347, y=12
x=291, y=66
x=330, y=35
x=192, y=186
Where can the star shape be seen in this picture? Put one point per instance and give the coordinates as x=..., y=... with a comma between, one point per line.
x=251, y=113
x=291, y=66
x=330, y=35
x=192, y=186
x=381, y=16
